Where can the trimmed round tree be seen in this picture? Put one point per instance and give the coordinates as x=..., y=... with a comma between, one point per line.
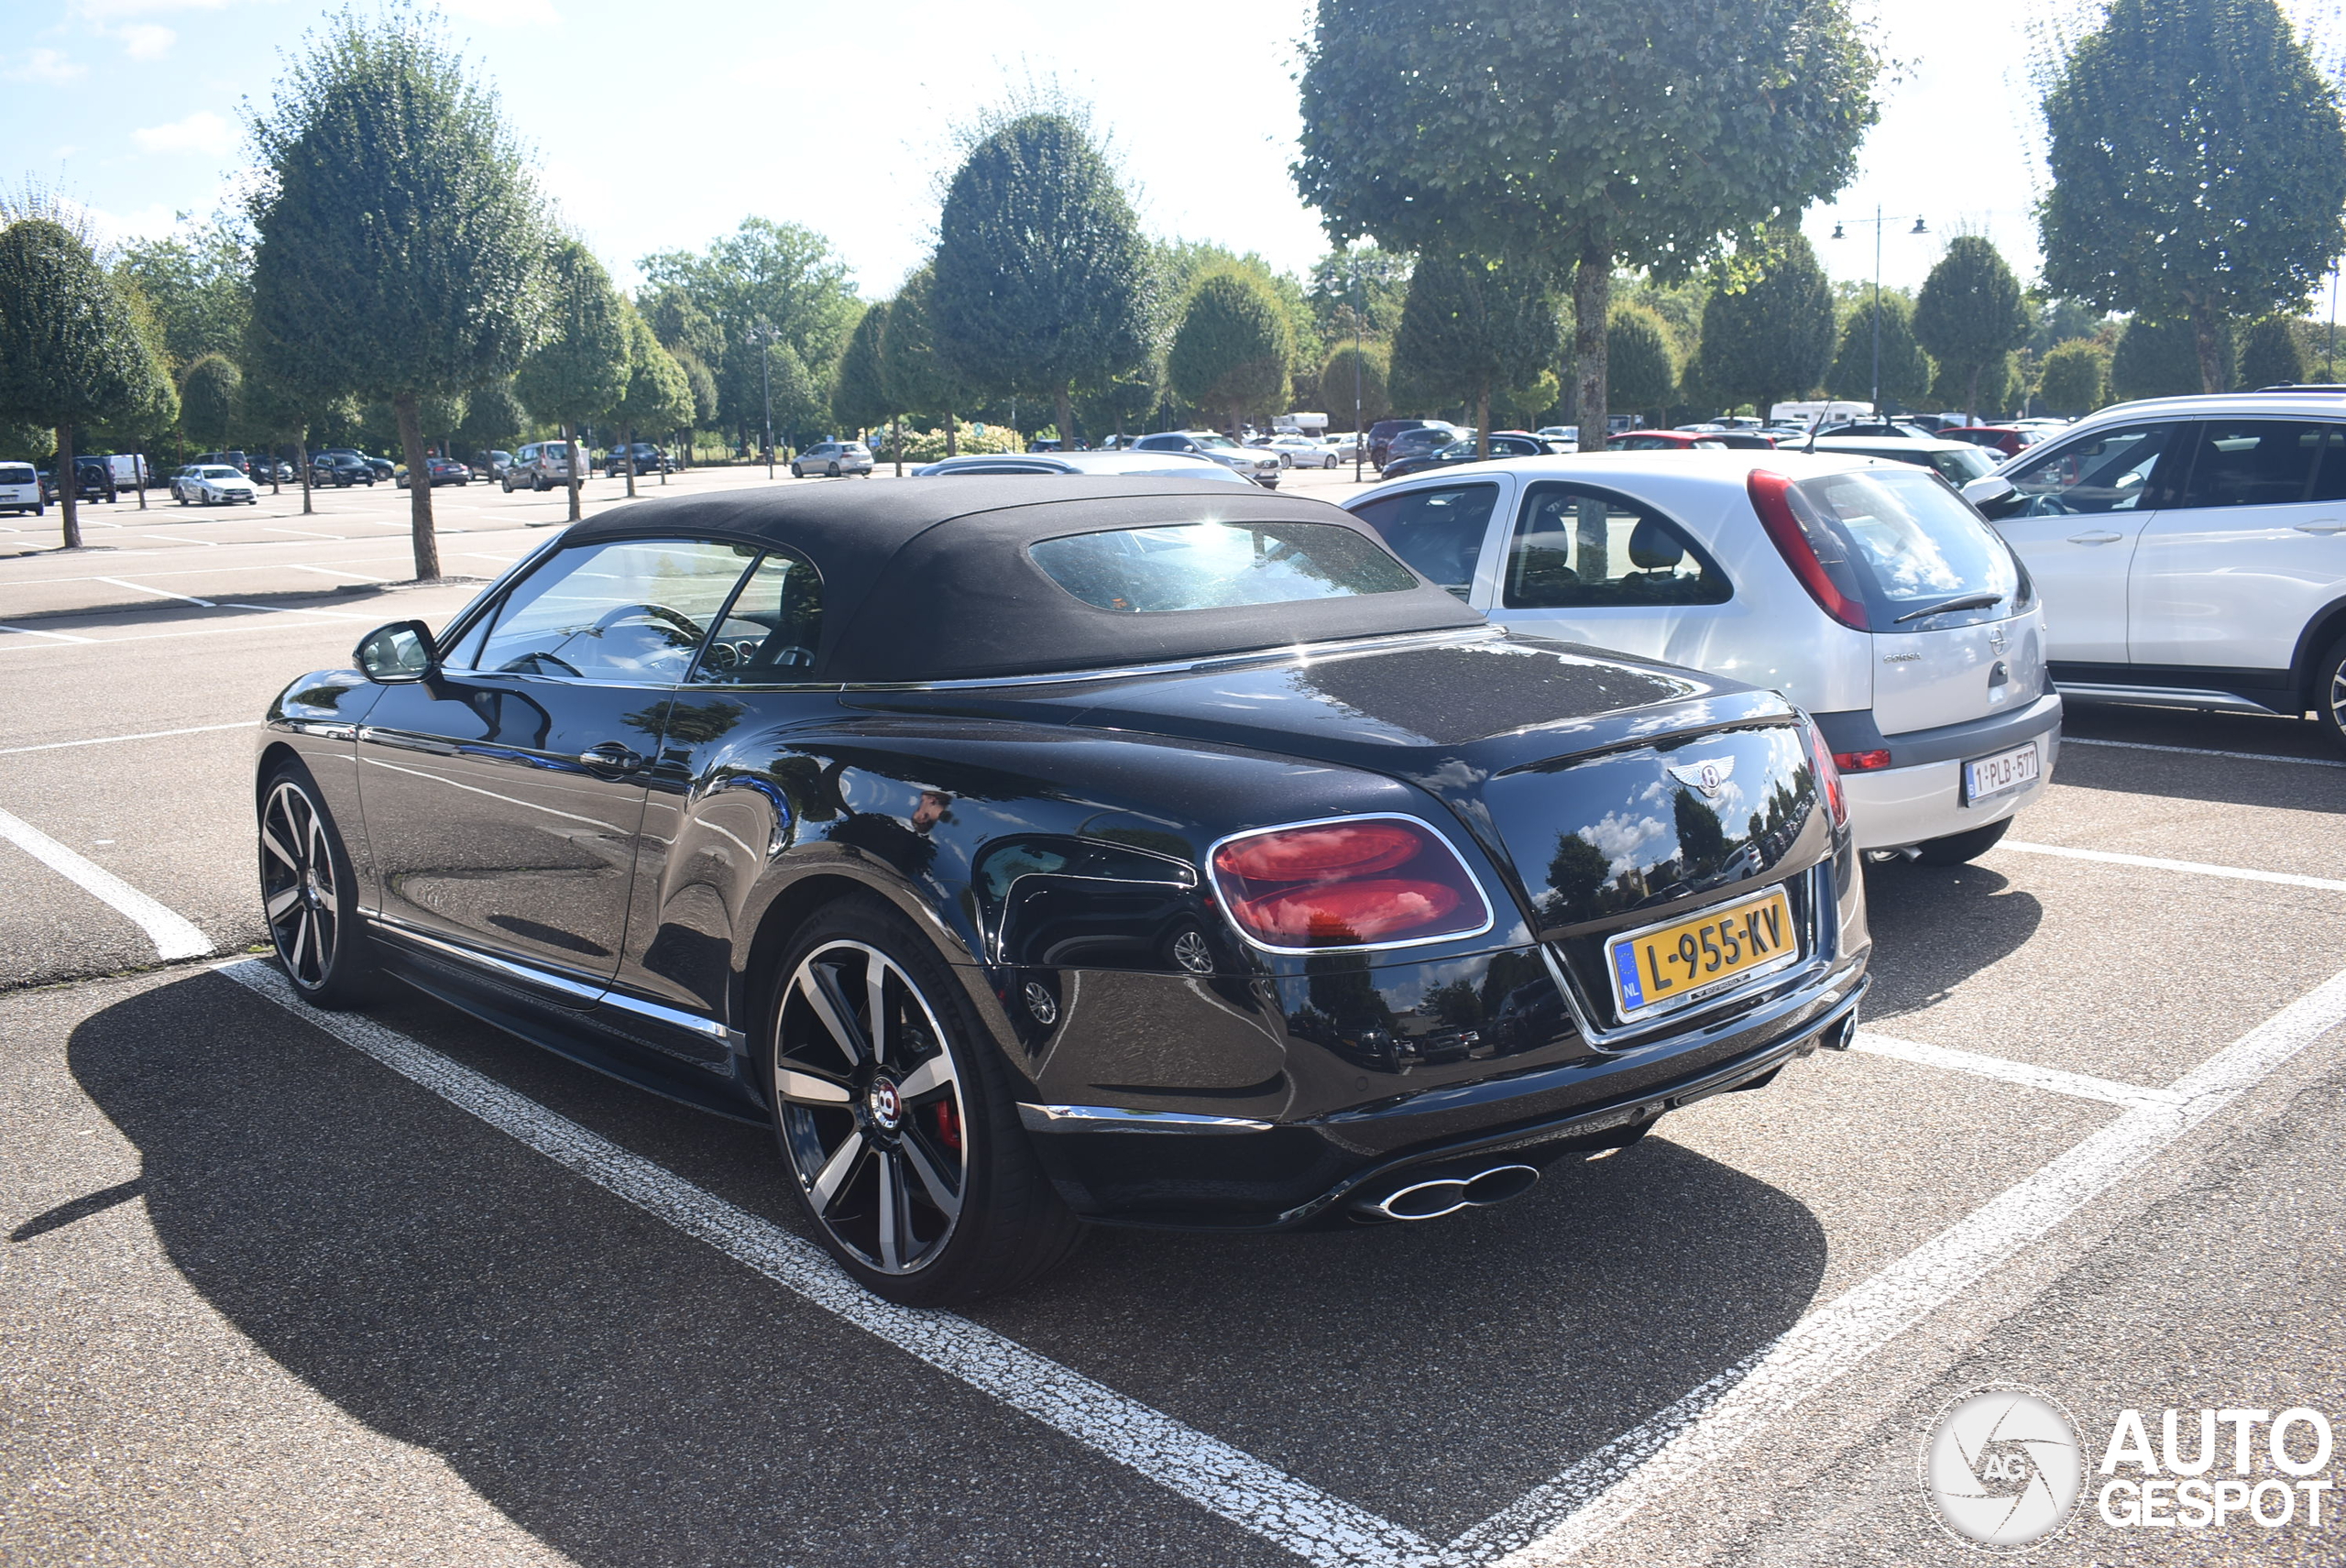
x=1906, y=370
x=396, y=226
x=2198, y=168
x=859, y=392
x=578, y=372
x=1970, y=315
x=918, y=377
x=1230, y=353
x=2074, y=377
x=659, y=397
x=2271, y=354
x=1374, y=362
x=1643, y=371
x=1768, y=326
x=1474, y=329
x=1043, y=280
x=212, y=396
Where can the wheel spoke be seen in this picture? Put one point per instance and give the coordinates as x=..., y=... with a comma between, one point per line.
x=815, y=984
x=805, y=1087
x=836, y=1170
x=939, y=1192
x=300, y=942
x=269, y=841
x=932, y=1075
x=280, y=904
x=875, y=1005
x=892, y=1215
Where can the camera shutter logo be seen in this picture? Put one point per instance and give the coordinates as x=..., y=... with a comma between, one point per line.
x=2001, y=1467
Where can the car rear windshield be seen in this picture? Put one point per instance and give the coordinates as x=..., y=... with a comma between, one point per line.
x=1899, y=540
x=15, y=473
x=1206, y=565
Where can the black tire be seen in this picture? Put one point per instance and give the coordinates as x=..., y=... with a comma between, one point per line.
x=2330, y=694
x=796, y=472
x=1956, y=849
x=831, y=472
x=1002, y=1224
x=310, y=894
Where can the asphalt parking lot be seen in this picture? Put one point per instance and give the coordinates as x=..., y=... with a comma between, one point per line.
x=392, y=1289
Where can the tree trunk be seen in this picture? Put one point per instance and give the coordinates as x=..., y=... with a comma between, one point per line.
x=1067, y=419
x=631, y=462
x=301, y=455
x=67, y=499
x=419, y=495
x=140, y=459
x=1483, y=419
x=1592, y=305
x=1971, y=396
x=952, y=435
x=2206, y=336
x=570, y=463
x=896, y=441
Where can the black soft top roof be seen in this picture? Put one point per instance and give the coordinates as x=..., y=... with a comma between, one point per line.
x=929, y=579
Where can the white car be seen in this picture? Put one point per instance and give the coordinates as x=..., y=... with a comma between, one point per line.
x=1304, y=451
x=213, y=484
x=2191, y=551
x=1127, y=465
x=1254, y=462
x=20, y=489
x=1866, y=591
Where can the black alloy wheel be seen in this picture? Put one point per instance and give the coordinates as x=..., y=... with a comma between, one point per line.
x=892, y=1111
x=2330, y=694
x=308, y=894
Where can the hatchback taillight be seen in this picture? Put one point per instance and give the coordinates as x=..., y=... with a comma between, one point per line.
x=1828, y=775
x=1805, y=542
x=1359, y=882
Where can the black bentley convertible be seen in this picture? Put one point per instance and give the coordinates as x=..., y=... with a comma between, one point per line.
x=1034, y=851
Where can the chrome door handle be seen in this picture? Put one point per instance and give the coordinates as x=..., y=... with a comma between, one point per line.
x=612, y=757
x=2096, y=536
x=2322, y=525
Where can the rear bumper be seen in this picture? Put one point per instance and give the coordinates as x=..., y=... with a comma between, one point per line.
x=1920, y=797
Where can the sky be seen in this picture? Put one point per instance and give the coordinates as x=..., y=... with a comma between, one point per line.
x=659, y=129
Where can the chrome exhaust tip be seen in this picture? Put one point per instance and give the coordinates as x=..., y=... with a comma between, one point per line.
x=1433, y=1198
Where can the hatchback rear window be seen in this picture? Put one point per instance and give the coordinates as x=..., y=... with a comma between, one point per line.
x=1208, y=566
x=15, y=473
x=1898, y=540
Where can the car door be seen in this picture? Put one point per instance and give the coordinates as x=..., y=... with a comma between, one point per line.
x=503, y=796
x=2255, y=544
x=2078, y=513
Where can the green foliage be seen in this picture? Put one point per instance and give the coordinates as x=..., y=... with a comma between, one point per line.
x=1043, y=280
x=2000, y=388
x=2074, y=377
x=211, y=401
x=1475, y=330
x=494, y=420
x=1970, y=315
x=765, y=282
x=199, y=280
x=2272, y=354
x=1230, y=354
x=1360, y=290
x=859, y=397
x=1907, y=369
x=578, y=372
x=1768, y=326
x=1644, y=372
x=2198, y=168
x=659, y=398
x=917, y=376
x=2161, y=359
x=2060, y=321
x=928, y=445
x=802, y=401
x=703, y=383
x=681, y=325
x=1336, y=382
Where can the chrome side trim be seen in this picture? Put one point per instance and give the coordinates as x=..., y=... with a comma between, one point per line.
x=2167, y=697
x=324, y=729
x=1113, y=1119
x=678, y=1018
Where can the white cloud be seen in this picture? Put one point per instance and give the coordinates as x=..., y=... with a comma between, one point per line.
x=47, y=65
x=203, y=131
x=502, y=12
x=1622, y=839
x=146, y=40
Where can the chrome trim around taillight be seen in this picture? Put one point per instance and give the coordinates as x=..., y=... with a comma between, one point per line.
x=1222, y=903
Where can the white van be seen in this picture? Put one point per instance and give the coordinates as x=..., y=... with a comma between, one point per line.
x=20, y=489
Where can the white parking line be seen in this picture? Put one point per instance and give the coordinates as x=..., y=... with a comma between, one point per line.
x=173, y=935
x=2052, y=1079
x=1310, y=1523
x=1561, y=1518
x=142, y=735
x=182, y=539
x=338, y=572
x=303, y=532
x=2206, y=751
x=159, y=593
x=29, y=631
x=2196, y=868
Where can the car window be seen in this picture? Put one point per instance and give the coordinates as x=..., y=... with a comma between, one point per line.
x=2108, y=471
x=2254, y=462
x=1963, y=465
x=1575, y=546
x=1217, y=440
x=1899, y=539
x=632, y=612
x=1439, y=530
x=1206, y=565
x=770, y=630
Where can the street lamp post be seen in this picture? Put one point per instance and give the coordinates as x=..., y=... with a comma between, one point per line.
x=1877, y=221
x=1359, y=440
x=765, y=375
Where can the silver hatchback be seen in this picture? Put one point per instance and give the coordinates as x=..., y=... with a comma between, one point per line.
x=831, y=459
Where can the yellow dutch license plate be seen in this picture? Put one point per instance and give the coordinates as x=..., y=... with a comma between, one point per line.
x=1668, y=963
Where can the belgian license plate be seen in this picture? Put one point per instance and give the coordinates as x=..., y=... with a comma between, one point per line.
x=2001, y=775
x=1702, y=952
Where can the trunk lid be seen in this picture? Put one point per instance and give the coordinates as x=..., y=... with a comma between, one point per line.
x=1923, y=680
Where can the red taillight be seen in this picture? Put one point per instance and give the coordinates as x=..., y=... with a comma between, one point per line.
x=1860, y=762
x=1773, y=497
x=1828, y=777
x=1366, y=883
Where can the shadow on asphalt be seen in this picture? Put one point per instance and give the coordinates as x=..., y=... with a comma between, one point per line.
x=631, y=1397
x=1936, y=927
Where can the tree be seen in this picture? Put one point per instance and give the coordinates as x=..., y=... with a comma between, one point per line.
x=765, y=283
x=918, y=378
x=1767, y=325
x=1644, y=376
x=2271, y=354
x=212, y=396
x=2199, y=167
x=1475, y=328
x=1360, y=291
x=2075, y=379
x=1970, y=315
x=70, y=353
x=2161, y=359
x=397, y=227
x=1042, y=276
x=1601, y=133
x=2001, y=384
x=495, y=419
x=1230, y=354
x=578, y=372
x=1906, y=370
x=1337, y=379
x=200, y=280
x=658, y=399
x=859, y=395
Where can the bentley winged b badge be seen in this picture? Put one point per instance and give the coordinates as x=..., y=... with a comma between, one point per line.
x=1709, y=774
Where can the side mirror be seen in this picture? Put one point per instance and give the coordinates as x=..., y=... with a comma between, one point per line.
x=400, y=652
x=1992, y=494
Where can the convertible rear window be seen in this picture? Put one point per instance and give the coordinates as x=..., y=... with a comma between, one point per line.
x=1211, y=566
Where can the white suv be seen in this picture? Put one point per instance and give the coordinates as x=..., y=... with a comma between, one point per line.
x=1866, y=591
x=2191, y=551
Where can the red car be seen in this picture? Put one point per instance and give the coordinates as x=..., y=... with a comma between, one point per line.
x=1666, y=441
x=2003, y=438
